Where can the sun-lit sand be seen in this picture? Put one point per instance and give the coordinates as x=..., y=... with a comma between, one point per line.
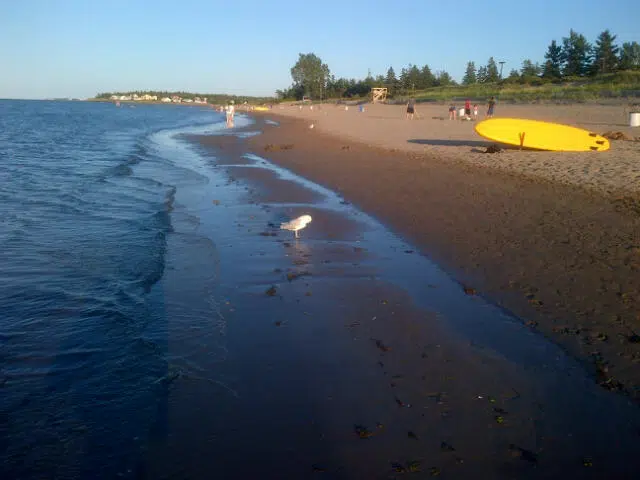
x=615, y=171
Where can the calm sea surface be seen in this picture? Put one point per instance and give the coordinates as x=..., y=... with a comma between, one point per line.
x=86, y=191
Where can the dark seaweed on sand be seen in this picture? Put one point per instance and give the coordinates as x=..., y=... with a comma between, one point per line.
x=362, y=432
x=524, y=454
x=271, y=291
x=381, y=345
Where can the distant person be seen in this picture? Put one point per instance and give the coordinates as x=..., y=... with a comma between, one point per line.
x=467, y=109
x=231, y=110
x=411, y=108
x=492, y=105
x=452, y=112
x=475, y=112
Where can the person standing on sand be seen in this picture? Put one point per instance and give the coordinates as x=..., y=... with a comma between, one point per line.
x=230, y=113
x=452, y=112
x=467, y=109
x=475, y=112
x=492, y=104
x=411, y=108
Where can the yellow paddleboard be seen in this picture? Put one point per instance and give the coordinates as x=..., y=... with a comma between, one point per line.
x=541, y=135
x=261, y=109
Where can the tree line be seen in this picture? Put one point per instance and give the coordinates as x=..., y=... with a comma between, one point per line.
x=573, y=57
x=313, y=78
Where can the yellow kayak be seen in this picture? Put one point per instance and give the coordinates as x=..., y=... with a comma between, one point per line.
x=541, y=135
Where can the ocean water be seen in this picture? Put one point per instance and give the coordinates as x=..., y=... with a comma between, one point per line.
x=86, y=193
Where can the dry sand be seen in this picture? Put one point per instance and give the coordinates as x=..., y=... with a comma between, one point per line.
x=615, y=171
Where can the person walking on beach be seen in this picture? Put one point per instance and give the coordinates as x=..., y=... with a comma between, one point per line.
x=230, y=113
x=467, y=109
x=475, y=112
x=492, y=104
x=411, y=108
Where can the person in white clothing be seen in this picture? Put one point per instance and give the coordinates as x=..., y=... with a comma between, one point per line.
x=231, y=110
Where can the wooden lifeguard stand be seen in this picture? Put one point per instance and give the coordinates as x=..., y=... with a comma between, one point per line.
x=379, y=94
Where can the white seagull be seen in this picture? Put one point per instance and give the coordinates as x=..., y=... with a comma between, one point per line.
x=296, y=224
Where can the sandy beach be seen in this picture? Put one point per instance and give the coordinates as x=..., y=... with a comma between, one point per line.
x=616, y=171
x=562, y=257
x=349, y=353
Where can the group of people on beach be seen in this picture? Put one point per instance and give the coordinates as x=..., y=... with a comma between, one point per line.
x=411, y=109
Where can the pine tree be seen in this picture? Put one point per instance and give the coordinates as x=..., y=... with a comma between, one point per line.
x=427, y=79
x=630, y=56
x=514, y=76
x=492, y=71
x=576, y=55
x=391, y=81
x=470, y=74
x=414, y=78
x=404, y=78
x=529, y=69
x=605, y=54
x=443, y=79
x=553, y=63
x=481, y=76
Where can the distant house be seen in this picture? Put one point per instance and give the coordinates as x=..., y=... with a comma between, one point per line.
x=149, y=98
x=114, y=97
x=187, y=100
x=166, y=100
x=176, y=99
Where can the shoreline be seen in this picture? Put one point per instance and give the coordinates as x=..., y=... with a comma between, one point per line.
x=562, y=258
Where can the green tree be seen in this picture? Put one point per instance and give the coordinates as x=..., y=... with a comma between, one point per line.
x=605, y=53
x=443, y=79
x=470, y=74
x=553, y=61
x=427, y=79
x=576, y=54
x=310, y=74
x=413, y=78
x=529, y=69
x=391, y=81
x=482, y=76
x=404, y=79
x=492, y=71
x=630, y=56
x=514, y=76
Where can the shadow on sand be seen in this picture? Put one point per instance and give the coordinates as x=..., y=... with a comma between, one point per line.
x=450, y=143
x=605, y=124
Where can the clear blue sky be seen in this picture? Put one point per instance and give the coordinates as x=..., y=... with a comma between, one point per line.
x=77, y=48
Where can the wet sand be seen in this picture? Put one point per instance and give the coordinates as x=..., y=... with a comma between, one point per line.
x=346, y=354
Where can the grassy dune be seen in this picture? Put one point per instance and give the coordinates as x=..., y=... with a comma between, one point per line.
x=620, y=86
